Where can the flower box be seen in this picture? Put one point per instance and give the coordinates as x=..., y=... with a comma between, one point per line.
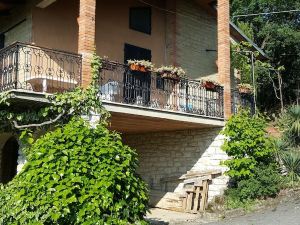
x=171, y=73
x=140, y=65
x=209, y=85
x=245, y=89
x=136, y=67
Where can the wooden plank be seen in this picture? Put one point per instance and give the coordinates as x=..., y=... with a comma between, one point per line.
x=204, y=195
x=196, y=200
x=189, y=201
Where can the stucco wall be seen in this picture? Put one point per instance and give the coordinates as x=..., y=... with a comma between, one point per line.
x=56, y=25
x=112, y=30
x=168, y=154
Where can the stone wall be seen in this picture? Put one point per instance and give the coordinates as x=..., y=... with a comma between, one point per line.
x=164, y=157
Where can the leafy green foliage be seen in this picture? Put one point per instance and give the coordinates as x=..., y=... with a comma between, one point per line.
x=247, y=144
x=279, y=36
x=265, y=182
x=291, y=161
x=76, y=175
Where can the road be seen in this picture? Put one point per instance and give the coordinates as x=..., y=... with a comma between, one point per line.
x=286, y=213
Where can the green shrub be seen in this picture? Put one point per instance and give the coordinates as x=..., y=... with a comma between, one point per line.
x=76, y=175
x=291, y=161
x=265, y=182
x=247, y=144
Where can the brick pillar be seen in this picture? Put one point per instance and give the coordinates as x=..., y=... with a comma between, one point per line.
x=224, y=53
x=86, y=38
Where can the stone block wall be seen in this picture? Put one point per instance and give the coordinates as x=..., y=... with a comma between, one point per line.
x=164, y=157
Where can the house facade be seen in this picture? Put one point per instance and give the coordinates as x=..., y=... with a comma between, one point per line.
x=47, y=47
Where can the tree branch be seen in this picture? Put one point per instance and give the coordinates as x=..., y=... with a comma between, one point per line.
x=39, y=124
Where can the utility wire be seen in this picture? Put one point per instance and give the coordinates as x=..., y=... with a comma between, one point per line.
x=267, y=13
x=169, y=11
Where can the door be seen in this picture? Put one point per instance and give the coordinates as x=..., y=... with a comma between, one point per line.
x=136, y=84
x=2, y=40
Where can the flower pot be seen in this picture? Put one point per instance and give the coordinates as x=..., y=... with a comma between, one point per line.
x=244, y=90
x=170, y=76
x=135, y=67
x=209, y=85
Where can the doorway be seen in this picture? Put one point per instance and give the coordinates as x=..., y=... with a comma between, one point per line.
x=136, y=84
x=9, y=160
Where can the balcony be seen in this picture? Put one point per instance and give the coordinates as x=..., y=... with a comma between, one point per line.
x=33, y=69
x=242, y=100
x=141, y=101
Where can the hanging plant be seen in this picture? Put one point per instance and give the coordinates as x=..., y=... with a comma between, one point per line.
x=140, y=65
x=245, y=89
x=171, y=73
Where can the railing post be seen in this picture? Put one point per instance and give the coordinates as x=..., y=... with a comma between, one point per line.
x=17, y=66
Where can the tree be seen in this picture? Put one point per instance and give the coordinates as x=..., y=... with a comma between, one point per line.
x=279, y=36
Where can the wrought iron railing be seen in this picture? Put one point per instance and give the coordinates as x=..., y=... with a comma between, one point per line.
x=121, y=85
x=38, y=69
x=242, y=100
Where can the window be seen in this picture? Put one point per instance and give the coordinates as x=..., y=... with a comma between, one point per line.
x=140, y=19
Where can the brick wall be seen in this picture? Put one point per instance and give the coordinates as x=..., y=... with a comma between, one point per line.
x=224, y=53
x=86, y=38
x=172, y=154
x=196, y=32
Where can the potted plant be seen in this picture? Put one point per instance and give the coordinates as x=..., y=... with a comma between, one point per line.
x=171, y=73
x=245, y=88
x=140, y=65
x=210, y=84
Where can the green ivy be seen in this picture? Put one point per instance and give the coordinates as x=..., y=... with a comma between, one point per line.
x=247, y=144
x=76, y=175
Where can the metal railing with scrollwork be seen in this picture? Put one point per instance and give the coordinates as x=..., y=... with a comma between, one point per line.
x=147, y=89
x=38, y=69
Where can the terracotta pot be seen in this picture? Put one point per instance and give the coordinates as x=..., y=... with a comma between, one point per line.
x=209, y=85
x=244, y=90
x=139, y=68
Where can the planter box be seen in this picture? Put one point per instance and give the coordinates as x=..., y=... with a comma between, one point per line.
x=139, y=68
x=209, y=85
x=243, y=90
x=170, y=76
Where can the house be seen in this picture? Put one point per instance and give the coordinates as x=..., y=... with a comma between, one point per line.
x=47, y=46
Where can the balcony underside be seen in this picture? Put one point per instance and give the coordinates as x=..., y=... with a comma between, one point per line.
x=134, y=119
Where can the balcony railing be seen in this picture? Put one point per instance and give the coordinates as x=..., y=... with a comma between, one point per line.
x=240, y=100
x=121, y=85
x=38, y=69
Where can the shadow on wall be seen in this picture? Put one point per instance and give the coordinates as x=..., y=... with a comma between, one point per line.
x=167, y=156
x=8, y=157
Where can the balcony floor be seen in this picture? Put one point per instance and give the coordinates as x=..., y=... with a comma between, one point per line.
x=131, y=119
